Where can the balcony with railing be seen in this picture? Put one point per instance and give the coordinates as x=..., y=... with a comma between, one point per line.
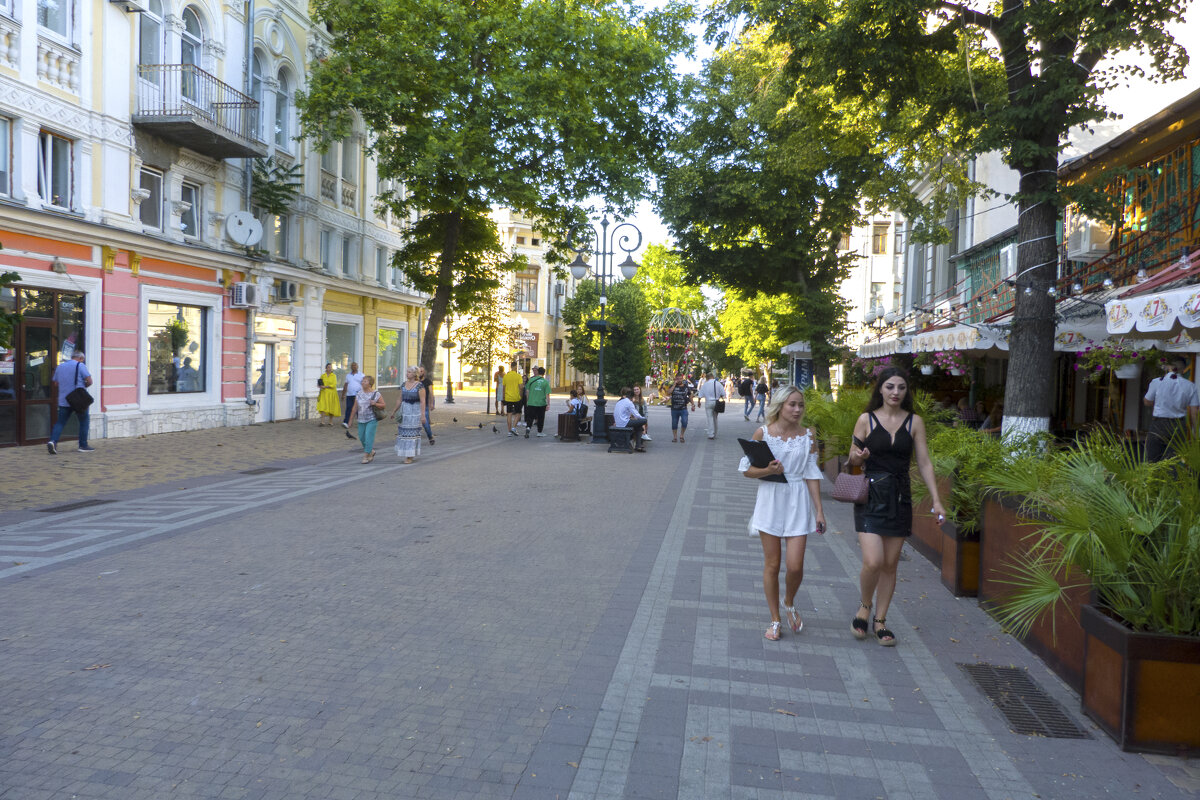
x=186, y=105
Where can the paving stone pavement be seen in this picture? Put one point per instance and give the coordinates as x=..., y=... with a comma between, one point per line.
x=506, y=618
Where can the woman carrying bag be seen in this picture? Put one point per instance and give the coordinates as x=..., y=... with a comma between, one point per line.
x=368, y=409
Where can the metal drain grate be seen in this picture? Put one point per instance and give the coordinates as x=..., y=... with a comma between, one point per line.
x=1028, y=709
x=73, y=506
x=261, y=470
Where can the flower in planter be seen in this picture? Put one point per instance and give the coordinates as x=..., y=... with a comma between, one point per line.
x=923, y=359
x=951, y=359
x=1096, y=360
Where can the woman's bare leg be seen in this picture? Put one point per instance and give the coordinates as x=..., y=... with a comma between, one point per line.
x=795, y=568
x=771, y=557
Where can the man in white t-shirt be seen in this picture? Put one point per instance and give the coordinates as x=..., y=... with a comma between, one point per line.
x=1175, y=402
x=625, y=415
x=710, y=392
x=350, y=389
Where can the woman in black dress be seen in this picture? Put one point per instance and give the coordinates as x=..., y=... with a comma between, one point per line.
x=885, y=438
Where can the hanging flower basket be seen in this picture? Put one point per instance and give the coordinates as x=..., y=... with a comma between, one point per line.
x=1096, y=360
x=926, y=369
x=1128, y=372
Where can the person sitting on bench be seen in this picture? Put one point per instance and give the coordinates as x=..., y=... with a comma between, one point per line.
x=579, y=408
x=625, y=415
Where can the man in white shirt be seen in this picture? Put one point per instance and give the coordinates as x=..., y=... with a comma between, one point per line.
x=352, y=387
x=625, y=415
x=1174, y=400
x=711, y=391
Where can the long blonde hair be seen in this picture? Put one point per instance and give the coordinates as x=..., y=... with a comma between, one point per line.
x=778, y=398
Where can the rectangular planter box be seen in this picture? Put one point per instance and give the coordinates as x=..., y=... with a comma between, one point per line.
x=927, y=534
x=960, y=563
x=1143, y=689
x=1057, y=639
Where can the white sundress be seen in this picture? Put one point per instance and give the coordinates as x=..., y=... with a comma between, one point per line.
x=786, y=509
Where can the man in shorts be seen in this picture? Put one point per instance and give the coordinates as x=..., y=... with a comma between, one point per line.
x=512, y=398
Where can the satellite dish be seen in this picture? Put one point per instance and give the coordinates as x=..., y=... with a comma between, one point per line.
x=242, y=228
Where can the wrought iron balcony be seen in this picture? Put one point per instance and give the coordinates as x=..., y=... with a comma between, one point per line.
x=186, y=105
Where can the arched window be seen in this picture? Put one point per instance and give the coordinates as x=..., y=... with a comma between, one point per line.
x=192, y=49
x=283, y=112
x=150, y=35
x=256, y=89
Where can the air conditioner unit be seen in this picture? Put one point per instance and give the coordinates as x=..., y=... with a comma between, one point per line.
x=559, y=289
x=1088, y=241
x=245, y=295
x=287, y=291
x=1008, y=261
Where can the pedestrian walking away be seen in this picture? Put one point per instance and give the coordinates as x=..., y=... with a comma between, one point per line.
x=350, y=390
x=886, y=436
x=746, y=392
x=537, y=397
x=711, y=391
x=512, y=398
x=762, y=394
x=1176, y=404
x=427, y=382
x=328, y=405
x=409, y=411
x=785, y=511
x=625, y=415
x=366, y=400
x=498, y=380
x=639, y=402
x=680, y=400
x=69, y=376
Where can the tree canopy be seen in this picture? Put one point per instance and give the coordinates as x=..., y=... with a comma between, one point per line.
x=665, y=282
x=626, y=353
x=533, y=105
x=939, y=81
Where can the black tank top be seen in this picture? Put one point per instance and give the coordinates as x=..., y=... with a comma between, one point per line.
x=888, y=455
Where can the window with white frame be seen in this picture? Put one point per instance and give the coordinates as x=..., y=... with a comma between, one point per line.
x=176, y=346
x=381, y=265
x=349, y=160
x=5, y=156
x=347, y=257
x=57, y=16
x=283, y=112
x=150, y=210
x=256, y=86
x=525, y=293
x=54, y=169
x=389, y=359
x=150, y=34
x=329, y=159
x=189, y=219
x=327, y=250
x=280, y=231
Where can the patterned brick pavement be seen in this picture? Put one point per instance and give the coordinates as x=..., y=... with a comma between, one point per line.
x=506, y=618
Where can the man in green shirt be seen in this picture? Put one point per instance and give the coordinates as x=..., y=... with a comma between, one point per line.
x=537, y=397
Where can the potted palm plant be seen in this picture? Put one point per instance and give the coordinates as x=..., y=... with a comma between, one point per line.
x=1131, y=531
x=833, y=419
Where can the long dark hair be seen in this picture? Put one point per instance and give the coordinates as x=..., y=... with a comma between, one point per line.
x=876, y=400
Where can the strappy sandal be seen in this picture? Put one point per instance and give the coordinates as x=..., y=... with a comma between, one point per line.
x=773, y=633
x=794, y=619
x=858, y=625
x=885, y=637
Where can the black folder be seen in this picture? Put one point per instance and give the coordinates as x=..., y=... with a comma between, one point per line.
x=760, y=455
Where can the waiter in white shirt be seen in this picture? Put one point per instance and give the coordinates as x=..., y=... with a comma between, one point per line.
x=710, y=392
x=1174, y=399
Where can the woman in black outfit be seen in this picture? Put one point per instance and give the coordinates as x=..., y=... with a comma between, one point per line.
x=885, y=438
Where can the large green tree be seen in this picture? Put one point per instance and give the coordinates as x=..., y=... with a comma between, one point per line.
x=764, y=179
x=626, y=352
x=1009, y=75
x=665, y=282
x=534, y=105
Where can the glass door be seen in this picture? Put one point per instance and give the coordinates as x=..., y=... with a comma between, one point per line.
x=8, y=395
x=282, y=406
x=263, y=392
x=35, y=370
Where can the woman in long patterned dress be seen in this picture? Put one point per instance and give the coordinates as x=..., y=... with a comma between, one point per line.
x=786, y=511
x=410, y=412
x=328, y=404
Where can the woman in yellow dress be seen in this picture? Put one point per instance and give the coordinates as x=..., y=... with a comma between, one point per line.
x=327, y=402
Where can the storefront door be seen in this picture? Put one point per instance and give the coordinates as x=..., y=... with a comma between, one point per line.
x=273, y=381
x=48, y=334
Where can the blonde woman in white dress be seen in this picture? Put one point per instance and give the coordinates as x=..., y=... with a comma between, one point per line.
x=789, y=510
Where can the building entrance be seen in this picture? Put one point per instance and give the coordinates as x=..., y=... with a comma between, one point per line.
x=50, y=330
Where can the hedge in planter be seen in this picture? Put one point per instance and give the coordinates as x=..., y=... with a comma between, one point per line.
x=1133, y=529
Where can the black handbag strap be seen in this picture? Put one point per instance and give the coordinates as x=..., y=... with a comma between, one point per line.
x=76, y=373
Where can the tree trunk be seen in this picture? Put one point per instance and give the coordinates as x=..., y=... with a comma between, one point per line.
x=441, y=295
x=1030, y=384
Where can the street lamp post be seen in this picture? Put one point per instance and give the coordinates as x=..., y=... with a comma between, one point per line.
x=448, y=344
x=603, y=248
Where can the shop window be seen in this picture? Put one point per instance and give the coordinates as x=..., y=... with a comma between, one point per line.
x=390, y=357
x=176, y=337
x=341, y=348
x=150, y=210
x=54, y=169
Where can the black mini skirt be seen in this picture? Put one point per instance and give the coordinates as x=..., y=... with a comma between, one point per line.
x=888, y=510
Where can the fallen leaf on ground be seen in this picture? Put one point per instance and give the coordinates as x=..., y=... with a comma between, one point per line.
x=97, y=666
x=784, y=711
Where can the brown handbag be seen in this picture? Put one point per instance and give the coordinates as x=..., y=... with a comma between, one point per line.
x=849, y=488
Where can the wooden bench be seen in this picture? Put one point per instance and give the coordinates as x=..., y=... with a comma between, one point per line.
x=619, y=439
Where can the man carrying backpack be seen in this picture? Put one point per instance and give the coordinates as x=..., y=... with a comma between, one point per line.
x=746, y=392
x=537, y=397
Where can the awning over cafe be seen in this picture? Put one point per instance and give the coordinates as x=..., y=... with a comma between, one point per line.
x=884, y=347
x=1168, y=312
x=960, y=337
